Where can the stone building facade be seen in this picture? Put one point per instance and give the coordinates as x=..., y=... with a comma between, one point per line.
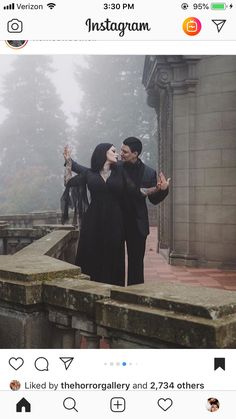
x=195, y=101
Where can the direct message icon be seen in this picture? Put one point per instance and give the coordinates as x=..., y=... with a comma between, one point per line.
x=67, y=360
x=165, y=404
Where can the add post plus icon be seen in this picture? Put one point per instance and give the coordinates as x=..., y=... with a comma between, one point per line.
x=192, y=26
x=117, y=404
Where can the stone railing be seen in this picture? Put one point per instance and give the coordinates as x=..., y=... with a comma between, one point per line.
x=54, y=217
x=14, y=239
x=31, y=219
x=45, y=302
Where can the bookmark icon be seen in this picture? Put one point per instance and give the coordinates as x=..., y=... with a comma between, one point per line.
x=219, y=363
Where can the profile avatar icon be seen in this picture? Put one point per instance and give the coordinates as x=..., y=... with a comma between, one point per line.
x=213, y=404
x=15, y=385
x=16, y=44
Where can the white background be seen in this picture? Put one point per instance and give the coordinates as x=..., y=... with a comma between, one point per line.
x=105, y=366
x=66, y=22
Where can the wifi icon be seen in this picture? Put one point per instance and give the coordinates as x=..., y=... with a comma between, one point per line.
x=51, y=5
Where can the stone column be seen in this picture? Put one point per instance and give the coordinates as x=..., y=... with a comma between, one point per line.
x=3, y=237
x=171, y=85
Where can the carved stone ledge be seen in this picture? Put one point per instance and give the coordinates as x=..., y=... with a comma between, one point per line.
x=32, y=268
x=172, y=315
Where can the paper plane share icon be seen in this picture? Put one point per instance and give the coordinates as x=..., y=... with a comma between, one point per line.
x=219, y=24
x=66, y=361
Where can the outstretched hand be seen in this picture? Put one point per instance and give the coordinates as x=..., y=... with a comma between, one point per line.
x=163, y=183
x=67, y=153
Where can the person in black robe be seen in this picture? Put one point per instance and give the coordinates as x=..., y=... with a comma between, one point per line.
x=101, y=249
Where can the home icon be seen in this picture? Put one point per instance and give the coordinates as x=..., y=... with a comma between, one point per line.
x=23, y=406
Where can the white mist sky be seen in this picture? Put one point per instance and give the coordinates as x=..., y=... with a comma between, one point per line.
x=63, y=78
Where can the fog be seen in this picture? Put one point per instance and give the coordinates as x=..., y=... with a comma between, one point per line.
x=49, y=101
x=63, y=79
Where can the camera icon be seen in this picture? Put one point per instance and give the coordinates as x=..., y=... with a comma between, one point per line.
x=15, y=26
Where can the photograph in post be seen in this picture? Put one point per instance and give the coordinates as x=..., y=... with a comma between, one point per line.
x=117, y=201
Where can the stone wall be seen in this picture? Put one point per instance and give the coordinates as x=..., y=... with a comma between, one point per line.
x=195, y=101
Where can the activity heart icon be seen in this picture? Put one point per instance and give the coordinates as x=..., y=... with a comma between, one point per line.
x=165, y=404
x=16, y=363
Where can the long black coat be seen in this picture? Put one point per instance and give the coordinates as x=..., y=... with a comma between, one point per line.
x=135, y=204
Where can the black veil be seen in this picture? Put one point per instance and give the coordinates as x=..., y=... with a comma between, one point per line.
x=75, y=197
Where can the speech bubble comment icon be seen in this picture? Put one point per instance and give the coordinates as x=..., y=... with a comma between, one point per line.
x=41, y=364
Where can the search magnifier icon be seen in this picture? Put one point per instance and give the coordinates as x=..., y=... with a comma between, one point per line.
x=70, y=404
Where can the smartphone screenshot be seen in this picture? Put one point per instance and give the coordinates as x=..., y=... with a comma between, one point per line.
x=117, y=209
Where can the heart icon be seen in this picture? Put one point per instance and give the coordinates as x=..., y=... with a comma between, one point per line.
x=165, y=404
x=16, y=363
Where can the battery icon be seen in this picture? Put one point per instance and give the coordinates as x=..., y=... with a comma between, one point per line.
x=218, y=6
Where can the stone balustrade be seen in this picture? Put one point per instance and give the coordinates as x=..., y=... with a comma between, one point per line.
x=46, y=302
x=31, y=219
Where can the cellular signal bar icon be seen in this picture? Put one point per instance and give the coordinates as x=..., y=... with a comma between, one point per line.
x=10, y=6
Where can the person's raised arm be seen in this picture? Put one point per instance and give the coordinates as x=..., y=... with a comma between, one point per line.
x=75, y=167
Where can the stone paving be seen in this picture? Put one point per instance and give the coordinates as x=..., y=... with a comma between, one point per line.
x=156, y=268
